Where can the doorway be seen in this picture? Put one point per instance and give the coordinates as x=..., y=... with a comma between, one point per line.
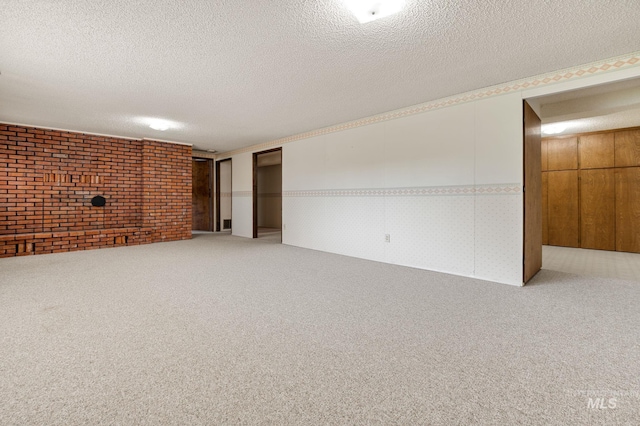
x=223, y=195
x=201, y=199
x=267, y=194
x=590, y=180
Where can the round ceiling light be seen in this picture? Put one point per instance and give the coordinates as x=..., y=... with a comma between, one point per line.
x=370, y=10
x=158, y=124
x=554, y=129
x=155, y=123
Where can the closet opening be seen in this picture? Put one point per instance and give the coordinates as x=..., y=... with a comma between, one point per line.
x=590, y=180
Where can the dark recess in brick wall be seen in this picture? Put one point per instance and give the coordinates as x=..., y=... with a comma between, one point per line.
x=48, y=178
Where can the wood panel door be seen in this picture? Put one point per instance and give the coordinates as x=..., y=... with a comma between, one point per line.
x=532, y=254
x=627, y=145
x=545, y=208
x=564, y=227
x=562, y=154
x=628, y=209
x=596, y=151
x=201, y=196
x=597, y=209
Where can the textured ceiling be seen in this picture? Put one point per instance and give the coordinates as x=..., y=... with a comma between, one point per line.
x=237, y=73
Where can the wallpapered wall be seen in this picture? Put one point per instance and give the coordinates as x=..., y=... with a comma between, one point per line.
x=445, y=185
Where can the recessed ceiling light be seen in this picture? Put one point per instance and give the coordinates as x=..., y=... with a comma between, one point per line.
x=158, y=124
x=370, y=10
x=554, y=129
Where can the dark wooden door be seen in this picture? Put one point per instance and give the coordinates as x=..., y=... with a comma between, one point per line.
x=628, y=209
x=597, y=209
x=532, y=194
x=563, y=218
x=201, y=196
x=545, y=208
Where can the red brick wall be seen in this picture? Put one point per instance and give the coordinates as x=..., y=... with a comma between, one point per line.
x=166, y=177
x=48, y=177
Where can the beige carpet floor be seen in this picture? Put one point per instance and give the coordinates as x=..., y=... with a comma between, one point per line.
x=226, y=330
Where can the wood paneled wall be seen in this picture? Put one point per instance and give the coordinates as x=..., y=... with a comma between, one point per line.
x=591, y=190
x=563, y=208
x=627, y=209
x=597, y=209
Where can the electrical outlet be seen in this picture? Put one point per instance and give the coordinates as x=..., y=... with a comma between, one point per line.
x=387, y=238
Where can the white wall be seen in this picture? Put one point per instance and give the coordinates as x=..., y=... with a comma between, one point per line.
x=458, y=161
x=242, y=181
x=343, y=191
x=225, y=191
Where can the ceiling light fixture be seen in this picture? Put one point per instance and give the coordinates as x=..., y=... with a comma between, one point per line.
x=554, y=128
x=370, y=10
x=158, y=124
